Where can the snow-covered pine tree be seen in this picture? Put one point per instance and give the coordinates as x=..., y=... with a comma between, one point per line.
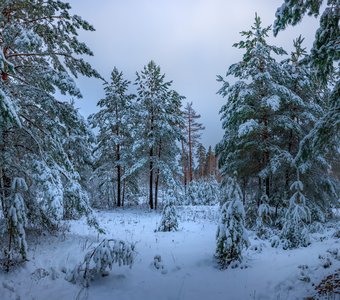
x=300, y=120
x=294, y=231
x=231, y=236
x=324, y=57
x=40, y=52
x=114, y=140
x=16, y=223
x=159, y=122
x=252, y=103
x=169, y=221
x=268, y=112
x=324, y=51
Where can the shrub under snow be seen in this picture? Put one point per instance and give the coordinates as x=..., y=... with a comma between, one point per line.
x=98, y=260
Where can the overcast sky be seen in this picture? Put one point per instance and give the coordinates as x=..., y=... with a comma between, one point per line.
x=190, y=39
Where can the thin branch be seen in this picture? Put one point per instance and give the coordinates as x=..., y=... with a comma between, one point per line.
x=37, y=54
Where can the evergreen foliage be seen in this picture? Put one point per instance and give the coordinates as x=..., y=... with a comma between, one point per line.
x=324, y=52
x=263, y=218
x=40, y=54
x=98, y=260
x=192, y=131
x=169, y=221
x=16, y=223
x=205, y=191
x=294, y=230
x=231, y=236
x=159, y=125
x=324, y=58
x=113, y=153
x=268, y=112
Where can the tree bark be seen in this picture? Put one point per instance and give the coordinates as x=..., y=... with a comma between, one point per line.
x=190, y=150
x=123, y=196
x=184, y=166
x=266, y=155
x=118, y=177
x=151, y=179
x=157, y=175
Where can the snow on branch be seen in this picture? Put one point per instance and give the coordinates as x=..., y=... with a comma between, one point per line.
x=98, y=260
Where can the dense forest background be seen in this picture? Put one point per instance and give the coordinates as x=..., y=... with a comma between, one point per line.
x=276, y=168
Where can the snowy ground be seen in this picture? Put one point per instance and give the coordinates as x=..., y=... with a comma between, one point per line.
x=189, y=270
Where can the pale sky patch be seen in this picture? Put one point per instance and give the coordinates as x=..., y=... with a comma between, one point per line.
x=190, y=39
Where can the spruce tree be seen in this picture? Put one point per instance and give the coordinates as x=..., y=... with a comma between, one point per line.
x=295, y=231
x=231, y=236
x=263, y=217
x=16, y=223
x=169, y=221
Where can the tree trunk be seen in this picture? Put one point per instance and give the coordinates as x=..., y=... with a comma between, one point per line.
x=151, y=179
x=266, y=154
x=156, y=188
x=118, y=176
x=5, y=181
x=244, y=185
x=259, y=191
x=268, y=186
x=157, y=175
x=290, y=144
x=123, y=195
x=184, y=166
x=190, y=150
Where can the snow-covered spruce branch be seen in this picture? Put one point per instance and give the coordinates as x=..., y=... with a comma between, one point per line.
x=96, y=261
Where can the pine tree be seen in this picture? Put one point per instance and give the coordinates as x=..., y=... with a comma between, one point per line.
x=268, y=112
x=114, y=141
x=248, y=115
x=324, y=51
x=159, y=122
x=323, y=58
x=39, y=135
x=294, y=230
x=169, y=221
x=301, y=118
x=231, y=236
x=192, y=134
